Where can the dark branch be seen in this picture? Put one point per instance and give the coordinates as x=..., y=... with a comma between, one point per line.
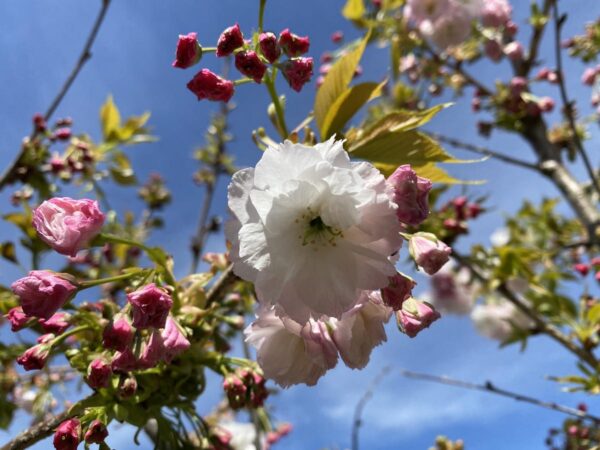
x=568, y=105
x=485, y=151
x=491, y=388
x=85, y=55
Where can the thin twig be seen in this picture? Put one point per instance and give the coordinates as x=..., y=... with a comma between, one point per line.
x=540, y=323
x=85, y=55
x=457, y=67
x=491, y=388
x=568, y=106
x=485, y=151
x=360, y=406
x=216, y=168
x=534, y=44
x=220, y=286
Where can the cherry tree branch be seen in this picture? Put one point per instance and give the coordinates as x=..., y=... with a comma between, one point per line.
x=541, y=324
x=568, y=105
x=360, y=406
x=85, y=55
x=534, y=44
x=488, y=386
x=484, y=151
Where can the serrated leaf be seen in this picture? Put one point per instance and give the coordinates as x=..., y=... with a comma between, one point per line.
x=109, y=118
x=347, y=105
x=337, y=80
x=354, y=9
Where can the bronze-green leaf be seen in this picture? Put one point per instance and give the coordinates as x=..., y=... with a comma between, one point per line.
x=337, y=80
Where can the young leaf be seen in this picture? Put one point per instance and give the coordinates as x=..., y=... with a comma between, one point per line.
x=109, y=118
x=337, y=81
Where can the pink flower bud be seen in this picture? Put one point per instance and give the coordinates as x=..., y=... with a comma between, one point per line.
x=39, y=123
x=269, y=47
x=546, y=104
x=298, y=72
x=188, y=51
x=173, y=339
x=153, y=352
x=326, y=58
x=511, y=28
x=235, y=390
x=595, y=261
x=124, y=361
x=96, y=433
x=35, y=357
x=62, y=134
x=99, y=373
x=399, y=289
x=493, y=50
x=514, y=51
x=411, y=194
x=17, y=318
x=589, y=76
x=415, y=316
x=337, y=37
x=495, y=13
x=151, y=306
x=117, y=335
x=45, y=338
x=68, y=225
x=67, y=434
x=208, y=85
x=249, y=64
x=518, y=85
x=292, y=44
x=429, y=252
x=56, y=324
x=582, y=269
x=42, y=293
x=231, y=39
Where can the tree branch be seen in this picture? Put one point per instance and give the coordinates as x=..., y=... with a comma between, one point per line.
x=534, y=45
x=85, y=55
x=360, y=406
x=543, y=326
x=220, y=286
x=568, y=106
x=484, y=151
x=491, y=388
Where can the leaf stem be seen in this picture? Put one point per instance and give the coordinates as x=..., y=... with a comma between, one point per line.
x=270, y=83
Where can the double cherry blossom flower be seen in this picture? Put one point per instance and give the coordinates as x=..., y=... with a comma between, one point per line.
x=318, y=236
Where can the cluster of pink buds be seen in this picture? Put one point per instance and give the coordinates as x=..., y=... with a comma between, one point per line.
x=456, y=213
x=584, y=269
x=251, y=60
x=549, y=75
x=245, y=389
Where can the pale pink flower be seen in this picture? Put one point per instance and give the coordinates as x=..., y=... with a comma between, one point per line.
x=288, y=352
x=42, y=293
x=311, y=229
x=68, y=225
x=361, y=329
x=495, y=13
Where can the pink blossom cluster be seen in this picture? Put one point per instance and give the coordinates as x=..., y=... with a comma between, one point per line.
x=251, y=60
x=297, y=342
x=448, y=23
x=69, y=434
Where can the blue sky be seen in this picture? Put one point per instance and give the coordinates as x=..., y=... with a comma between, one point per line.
x=132, y=60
